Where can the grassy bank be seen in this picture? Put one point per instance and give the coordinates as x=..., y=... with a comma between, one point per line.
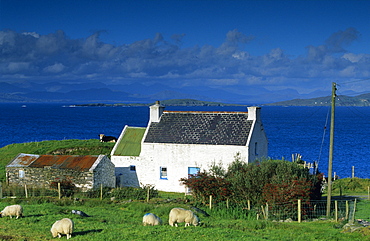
x=123, y=221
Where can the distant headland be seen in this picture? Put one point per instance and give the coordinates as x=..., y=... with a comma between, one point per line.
x=173, y=102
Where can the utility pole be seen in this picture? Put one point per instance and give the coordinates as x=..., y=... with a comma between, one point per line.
x=331, y=148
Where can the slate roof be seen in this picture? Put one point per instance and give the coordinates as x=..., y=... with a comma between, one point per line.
x=194, y=127
x=130, y=144
x=78, y=163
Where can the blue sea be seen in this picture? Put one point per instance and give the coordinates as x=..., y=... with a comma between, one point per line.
x=290, y=130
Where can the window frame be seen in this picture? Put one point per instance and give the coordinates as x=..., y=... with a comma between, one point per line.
x=21, y=173
x=163, y=173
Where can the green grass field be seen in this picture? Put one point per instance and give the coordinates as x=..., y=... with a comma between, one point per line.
x=123, y=221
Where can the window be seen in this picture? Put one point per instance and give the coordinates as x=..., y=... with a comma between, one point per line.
x=193, y=170
x=21, y=173
x=163, y=174
x=132, y=168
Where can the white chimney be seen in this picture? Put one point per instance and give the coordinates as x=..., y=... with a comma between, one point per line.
x=156, y=111
x=254, y=113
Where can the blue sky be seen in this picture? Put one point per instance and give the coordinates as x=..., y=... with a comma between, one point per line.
x=234, y=45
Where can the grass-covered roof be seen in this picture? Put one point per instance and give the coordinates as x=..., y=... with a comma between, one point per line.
x=130, y=144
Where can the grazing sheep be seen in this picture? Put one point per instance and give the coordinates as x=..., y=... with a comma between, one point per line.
x=151, y=219
x=180, y=215
x=13, y=210
x=63, y=226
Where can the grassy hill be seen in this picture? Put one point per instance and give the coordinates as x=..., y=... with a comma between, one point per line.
x=63, y=147
x=171, y=102
x=341, y=100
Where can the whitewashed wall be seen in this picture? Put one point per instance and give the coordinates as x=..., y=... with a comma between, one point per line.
x=260, y=150
x=176, y=158
x=124, y=176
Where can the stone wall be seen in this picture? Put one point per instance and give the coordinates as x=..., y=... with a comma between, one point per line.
x=43, y=177
x=103, y=174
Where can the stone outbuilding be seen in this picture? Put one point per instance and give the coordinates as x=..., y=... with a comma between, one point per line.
x=178, y=143
x=85, y=172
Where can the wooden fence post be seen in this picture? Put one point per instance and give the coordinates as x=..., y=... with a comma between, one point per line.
x=336, y=210
x=249, y=204
x=59, y=191
x=354, y=211
x=25, y=190
x=210, y=201
x=101, y=191
x=263, y=211
x=1, y=190
x=353, y=171
x=227, y=203
x=299, y=210
x=347, y=210
x=148, y=194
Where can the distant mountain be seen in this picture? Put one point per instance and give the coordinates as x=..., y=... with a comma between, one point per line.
x=80, y=91
x=341, y=100
x=173, y=102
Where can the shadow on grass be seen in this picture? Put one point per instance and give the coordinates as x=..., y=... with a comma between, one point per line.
x=6, y=237
x=87, y=232
x=32, y=216
x=350, y=197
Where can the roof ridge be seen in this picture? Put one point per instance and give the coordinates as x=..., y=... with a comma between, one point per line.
x=205, y=112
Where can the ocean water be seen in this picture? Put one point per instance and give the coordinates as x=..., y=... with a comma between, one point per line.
x=290, y=130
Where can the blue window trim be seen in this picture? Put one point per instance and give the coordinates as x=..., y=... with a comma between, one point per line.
x=132, y=168
x=162, y=176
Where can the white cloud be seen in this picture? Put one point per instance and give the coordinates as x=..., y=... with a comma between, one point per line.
x=55, y=68
x=17, y=67
x=355, y=58
x=56, y=56
x=33, y=34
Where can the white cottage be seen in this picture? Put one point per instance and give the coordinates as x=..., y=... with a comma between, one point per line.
x=178, y=143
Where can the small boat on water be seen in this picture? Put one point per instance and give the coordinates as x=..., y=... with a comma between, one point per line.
x=24, y=106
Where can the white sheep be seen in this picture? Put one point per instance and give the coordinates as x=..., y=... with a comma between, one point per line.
x=63, y=226
x=13, y=210
x=180, y=215
x=151, y=219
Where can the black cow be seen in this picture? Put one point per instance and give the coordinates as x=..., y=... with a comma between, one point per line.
x=104, y=138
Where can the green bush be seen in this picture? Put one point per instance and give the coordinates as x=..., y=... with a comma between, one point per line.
x=106, y=192
x=269, y=181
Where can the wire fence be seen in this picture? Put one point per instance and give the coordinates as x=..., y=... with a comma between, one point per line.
x=60, y=191
x=294, y=211
x=291, y=211
x=311, y=210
